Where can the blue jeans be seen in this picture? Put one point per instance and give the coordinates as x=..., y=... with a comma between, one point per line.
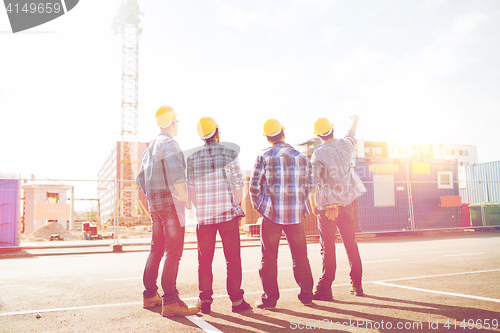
x=270, y=234
x=327, y=228
x=168, y=239
x=230, y=235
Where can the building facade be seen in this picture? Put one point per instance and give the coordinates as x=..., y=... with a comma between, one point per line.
x=464, y=154
x=107, y=177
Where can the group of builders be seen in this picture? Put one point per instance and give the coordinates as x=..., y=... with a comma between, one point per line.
x=282, y=181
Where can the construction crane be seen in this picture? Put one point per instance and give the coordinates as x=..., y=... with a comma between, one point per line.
x=127, y=23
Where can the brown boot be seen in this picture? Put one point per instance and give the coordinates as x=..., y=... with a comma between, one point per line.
x=178, y=308
x=357, y=290
x=151, y=302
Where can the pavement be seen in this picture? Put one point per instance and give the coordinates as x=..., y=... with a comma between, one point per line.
x=135, y=244
x=421, y=282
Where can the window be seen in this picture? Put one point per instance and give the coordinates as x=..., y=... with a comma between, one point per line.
x=52, y=197
x=383, y=190
x=445, y=179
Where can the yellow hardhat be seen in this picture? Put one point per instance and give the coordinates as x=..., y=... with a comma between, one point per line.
x=322, y=126
x=206, y=127
x=272, y=127
x=165, y=115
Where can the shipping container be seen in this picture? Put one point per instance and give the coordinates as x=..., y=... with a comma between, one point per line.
x=409, y=194
x=435, y=197
x=482, y=183
x=9, y=210
x=385, y=205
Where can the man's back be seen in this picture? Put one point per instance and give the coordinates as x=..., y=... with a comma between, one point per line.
x=162, y=166
x=281, y=183
x=214, y=173
x=333, y=174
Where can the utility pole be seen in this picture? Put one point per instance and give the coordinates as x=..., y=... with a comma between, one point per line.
x=127, y=23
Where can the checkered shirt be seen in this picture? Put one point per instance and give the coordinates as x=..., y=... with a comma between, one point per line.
x=334, y=177
x=162, y=158
x=214, y=173
x=280, y=184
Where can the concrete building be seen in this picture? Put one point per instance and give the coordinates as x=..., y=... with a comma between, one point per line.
x=464, y=154
x=107, y=177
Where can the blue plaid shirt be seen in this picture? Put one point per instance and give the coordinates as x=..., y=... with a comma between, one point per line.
x=162, y=166
x=214, y=173
x=281, y=183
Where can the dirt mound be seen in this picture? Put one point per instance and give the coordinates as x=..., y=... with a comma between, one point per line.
x=52, y=228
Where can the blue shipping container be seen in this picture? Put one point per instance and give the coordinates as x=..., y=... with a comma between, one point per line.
x=431, y=180
x=8, y=212
x=385, y=205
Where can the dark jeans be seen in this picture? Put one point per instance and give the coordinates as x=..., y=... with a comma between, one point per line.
x=230, y=235
x=168, y=239
x=327, y=228
x=270, y=234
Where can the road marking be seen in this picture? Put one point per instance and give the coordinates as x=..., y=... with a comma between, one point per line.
x=463, y=254
x=5, y=314
x=440, y=292
x=381, y=282
x=202, y=324
x=256, y=270
x=438, y=275
x=121, y=279
x=375, y=261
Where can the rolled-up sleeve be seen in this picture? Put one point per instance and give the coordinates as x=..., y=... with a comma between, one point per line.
x=190, y=173
x=309, y=179
x=255, y=187
x=318, y=171
x=174, y=159
x=237, y=177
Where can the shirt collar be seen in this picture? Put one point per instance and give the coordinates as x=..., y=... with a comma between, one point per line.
x=211, y=143
x=165, y=133
x=327, y=143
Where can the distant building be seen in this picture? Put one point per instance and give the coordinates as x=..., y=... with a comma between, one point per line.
x=45, y=202
x=464, y=154
x=109, y=172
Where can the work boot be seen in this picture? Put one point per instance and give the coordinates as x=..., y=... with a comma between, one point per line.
x=151, y=302
x=178, y=308
x=322, y=296
x=204, y=306
x=260, y=305
x=357, y=289
x=242, y=306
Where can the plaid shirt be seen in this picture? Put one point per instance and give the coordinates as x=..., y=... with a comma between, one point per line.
x=214, y=173
x=162, y=166
x=334, y=177
x=281, y=183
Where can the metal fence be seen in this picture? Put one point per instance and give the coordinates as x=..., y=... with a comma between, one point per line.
x=387, y=206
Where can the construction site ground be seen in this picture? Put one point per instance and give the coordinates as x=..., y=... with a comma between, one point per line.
x=425, y=282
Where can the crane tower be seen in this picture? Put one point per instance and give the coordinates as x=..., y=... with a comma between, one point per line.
x=127, y=23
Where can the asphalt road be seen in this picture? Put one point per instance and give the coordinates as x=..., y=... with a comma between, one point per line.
x=413, y=284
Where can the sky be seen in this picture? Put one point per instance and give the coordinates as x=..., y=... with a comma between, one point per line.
x=414, y=71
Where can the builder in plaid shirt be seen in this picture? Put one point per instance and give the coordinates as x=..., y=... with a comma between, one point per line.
x=215, y=186
x=162, y=179
x=279, y=188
